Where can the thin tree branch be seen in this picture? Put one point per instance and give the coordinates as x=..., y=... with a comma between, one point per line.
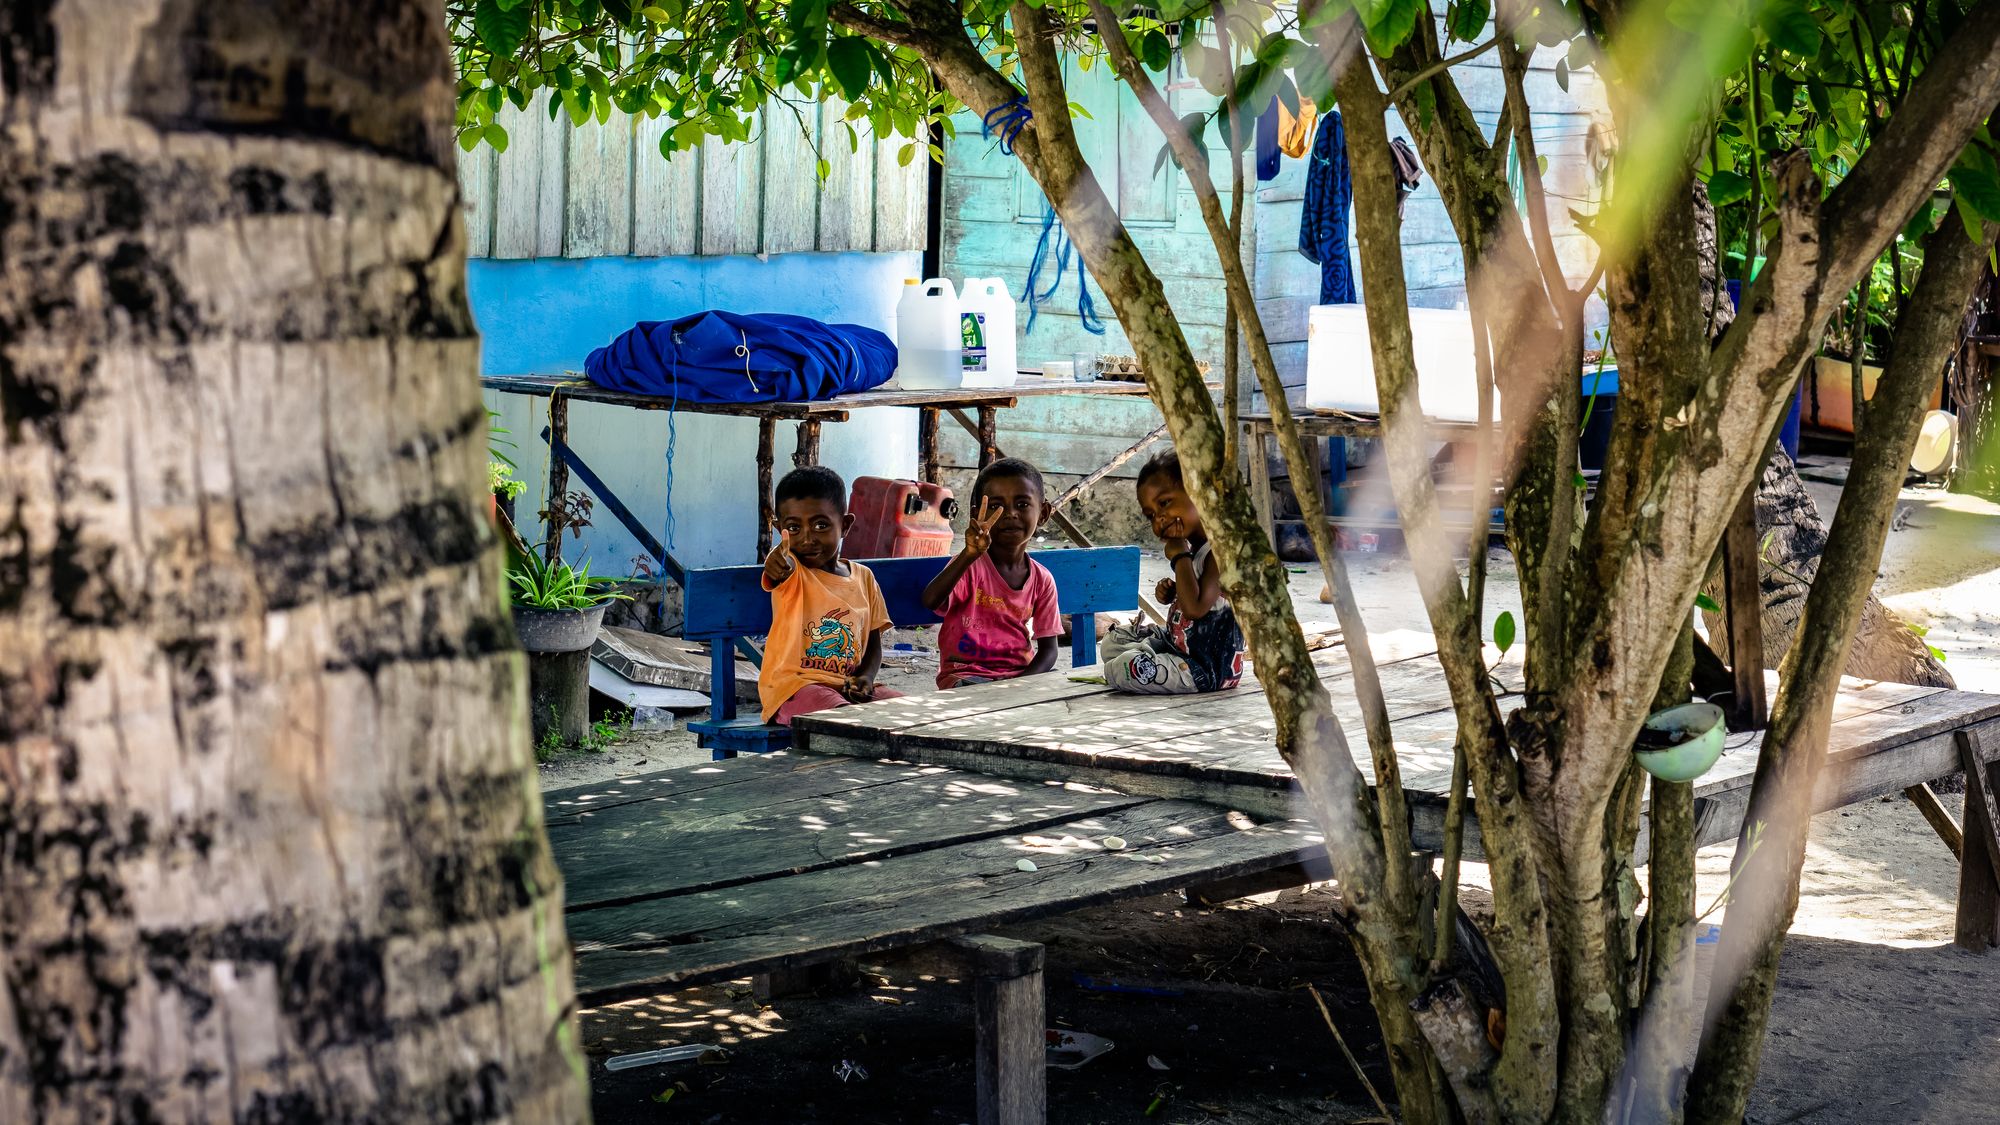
x=1440, y=67
x=1512, y=66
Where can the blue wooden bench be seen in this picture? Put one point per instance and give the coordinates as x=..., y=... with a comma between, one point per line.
x=726, y=603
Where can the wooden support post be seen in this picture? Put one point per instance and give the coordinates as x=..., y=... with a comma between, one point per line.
x=927, y=444
x=1260, y=478
x=1978, y=926
x=767, y=432
x=559, y=695
x=1940, y=818
x=1009, y=1067
x=1742, y=590
x=558, y=472
x=989, y=435
x=1106, y=469
x=808, y=451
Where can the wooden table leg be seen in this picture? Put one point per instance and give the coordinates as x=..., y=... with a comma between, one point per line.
x=1742, y=588
x=1008, y=1007
x=558, y=473
x=927, y=444
x=1260, y=479
x=808, y=450
x=989, y=435
x=767, y=432
x=1978, y=926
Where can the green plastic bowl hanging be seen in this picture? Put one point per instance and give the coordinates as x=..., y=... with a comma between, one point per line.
x=1681, y=743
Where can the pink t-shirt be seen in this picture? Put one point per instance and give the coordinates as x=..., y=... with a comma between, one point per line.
x=990, y=628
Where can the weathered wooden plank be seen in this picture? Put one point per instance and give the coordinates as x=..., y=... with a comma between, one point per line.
x=731, y=207
x=578, y=803
x=475, y=187
x=666, y=194
x=797, y=823
x=654, y=946
x=597, y=203
x=648, y=658
x=551, y=212
x=847, y=198
x=902, y=193
x=585, y=804
x=518, y=173
x=791, y=179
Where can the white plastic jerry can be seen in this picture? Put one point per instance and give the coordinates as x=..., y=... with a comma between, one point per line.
x=929, y=353
x=987, y=331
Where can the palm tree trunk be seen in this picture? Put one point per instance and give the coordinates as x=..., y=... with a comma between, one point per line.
x=270, y=843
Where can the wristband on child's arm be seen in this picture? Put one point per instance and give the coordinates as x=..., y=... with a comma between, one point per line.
x=1175, y=561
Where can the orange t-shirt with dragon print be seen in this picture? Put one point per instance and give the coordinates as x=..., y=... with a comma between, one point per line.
x=820, y=625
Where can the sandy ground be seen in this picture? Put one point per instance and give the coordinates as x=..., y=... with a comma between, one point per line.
x=1877, y=1018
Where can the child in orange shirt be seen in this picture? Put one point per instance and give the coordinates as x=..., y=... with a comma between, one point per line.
x=827, y=614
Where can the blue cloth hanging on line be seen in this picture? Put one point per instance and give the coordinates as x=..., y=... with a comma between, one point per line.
x=1323, y=226
x=1267, y=142
x=743, y=357
x=1055, y=246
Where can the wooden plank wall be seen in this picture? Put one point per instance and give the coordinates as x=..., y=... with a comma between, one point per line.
x=993, y=218
x=1288, y=284
x=593, y=191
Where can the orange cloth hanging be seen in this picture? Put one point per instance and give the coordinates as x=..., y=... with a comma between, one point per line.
x=1295, y=131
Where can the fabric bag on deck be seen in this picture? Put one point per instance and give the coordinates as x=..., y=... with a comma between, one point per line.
x=719, y=356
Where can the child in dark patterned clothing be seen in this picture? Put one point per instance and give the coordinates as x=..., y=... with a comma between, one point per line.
x=1201, y=649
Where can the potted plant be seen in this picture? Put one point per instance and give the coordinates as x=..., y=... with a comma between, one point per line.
x=557, y=607
x=500, y=478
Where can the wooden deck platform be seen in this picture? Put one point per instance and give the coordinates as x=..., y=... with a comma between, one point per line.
x=1218, y=749
x=781, y=862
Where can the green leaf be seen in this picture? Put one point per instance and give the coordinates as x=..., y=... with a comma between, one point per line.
x=1387, y=23
x=1921, y=223
x=847, y=57
x=1783, y=91
x=1726, y=187
x=1503, y=630
x=1467, y=19
x=501, y=27
x=1791, y=27
x=905, y=154
x=469, y=139
x=1578, y=481
x=1822, y=102
x=1155, y=52
x=824, y=168
x=1706, y=604
x=496, y=135
x=1978, y=189
x=1562, y=74
x=656, y=13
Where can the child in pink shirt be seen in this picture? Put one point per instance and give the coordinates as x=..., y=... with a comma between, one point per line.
x=998, y=605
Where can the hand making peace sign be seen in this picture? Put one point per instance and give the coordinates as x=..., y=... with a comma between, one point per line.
x=779, y=564
x=979, y=532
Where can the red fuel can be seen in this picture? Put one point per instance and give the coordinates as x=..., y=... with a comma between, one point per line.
x=896, y=519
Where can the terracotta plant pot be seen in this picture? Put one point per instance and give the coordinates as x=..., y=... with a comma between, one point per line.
x=558, y=630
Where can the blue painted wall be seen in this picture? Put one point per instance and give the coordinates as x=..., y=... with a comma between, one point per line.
x=545, y=315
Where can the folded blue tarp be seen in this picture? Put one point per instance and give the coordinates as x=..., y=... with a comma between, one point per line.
x=737, y=357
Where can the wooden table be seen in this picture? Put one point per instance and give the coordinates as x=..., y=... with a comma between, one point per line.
x=778, y=864
x=569, y=387
x=1218, y=749
x=1333, y=427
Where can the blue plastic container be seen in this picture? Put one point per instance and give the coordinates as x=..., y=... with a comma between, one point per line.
x=1600, y=405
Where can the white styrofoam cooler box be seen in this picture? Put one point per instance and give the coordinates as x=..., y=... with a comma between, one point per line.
x=1340, y=369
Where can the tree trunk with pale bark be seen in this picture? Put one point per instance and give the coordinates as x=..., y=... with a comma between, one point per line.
x=270, y=839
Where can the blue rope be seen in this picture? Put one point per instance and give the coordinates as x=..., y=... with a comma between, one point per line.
x=1055, y=243
x=1008, y=120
